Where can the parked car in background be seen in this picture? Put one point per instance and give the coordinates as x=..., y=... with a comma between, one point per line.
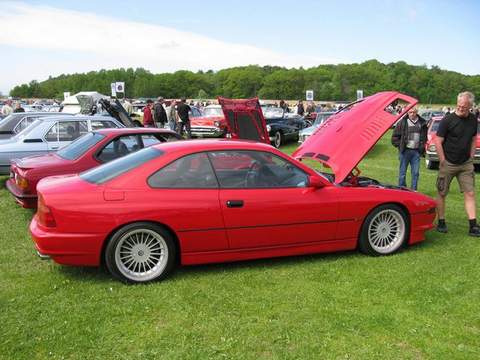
x=431, y=155
x=282, y=126
x=90, y=150
x=16, y=122
x=189, y=202
x=320, y=119
x=49, y=134
x=208, y=123
x=429, y=114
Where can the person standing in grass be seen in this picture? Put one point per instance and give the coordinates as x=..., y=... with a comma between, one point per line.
x=183, y=118
x=410, y=136
x=147, y=115
x=456, y=144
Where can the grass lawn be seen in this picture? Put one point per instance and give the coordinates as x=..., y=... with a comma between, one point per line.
x=423, y=303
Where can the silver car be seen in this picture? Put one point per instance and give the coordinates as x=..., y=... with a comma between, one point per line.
x=49, y=134
x=16, y=122
x=321, y=118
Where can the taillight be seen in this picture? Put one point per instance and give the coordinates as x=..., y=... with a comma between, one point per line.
x=45, y=216
x=22, y=183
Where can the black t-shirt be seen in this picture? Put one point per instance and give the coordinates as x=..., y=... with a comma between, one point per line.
x=182, y=110
x=457, y=133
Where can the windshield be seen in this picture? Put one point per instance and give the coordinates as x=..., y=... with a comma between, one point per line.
x=273, y=112
x=80, y=146
x=213, y=111
x=115, y=168
x=321, y=117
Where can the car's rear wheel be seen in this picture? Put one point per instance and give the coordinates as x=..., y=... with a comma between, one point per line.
x=384, y=230
x=277, y=139
x=432, y=165
x=140, y=252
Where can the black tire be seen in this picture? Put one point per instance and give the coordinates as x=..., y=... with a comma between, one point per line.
x=432, y=165
x=277, y=139
x=140, y=252
x=385, y=231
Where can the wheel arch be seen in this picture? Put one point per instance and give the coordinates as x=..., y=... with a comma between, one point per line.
x=401, y=206
x=157, y=223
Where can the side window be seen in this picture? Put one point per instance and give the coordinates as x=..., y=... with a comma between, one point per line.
x=149, y=140
x=97, y=124
x=66, y=130
x=52, y=134
x=118, y=147
x=256, y=169
x=24, y=123
x=189, y=172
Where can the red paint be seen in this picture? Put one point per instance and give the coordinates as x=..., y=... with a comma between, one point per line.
x=272, y=222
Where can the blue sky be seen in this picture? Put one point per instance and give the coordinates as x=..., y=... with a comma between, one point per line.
x=42, y=38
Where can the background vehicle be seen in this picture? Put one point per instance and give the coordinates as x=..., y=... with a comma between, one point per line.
x=16, y=122
x=90, y=150
x=49, y=134
x=209, y=123
x=283, y=127
x=320, y=118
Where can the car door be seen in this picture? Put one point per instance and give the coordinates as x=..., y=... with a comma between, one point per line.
x=63, y=133
x=266, y=201
x=188, y=184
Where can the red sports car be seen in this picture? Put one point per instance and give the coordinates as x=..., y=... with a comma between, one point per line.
x=197, y=202
x=88, y=151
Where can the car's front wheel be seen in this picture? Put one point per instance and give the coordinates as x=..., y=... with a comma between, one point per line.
x=277, y=139
x=140, y=252
x=384, y=230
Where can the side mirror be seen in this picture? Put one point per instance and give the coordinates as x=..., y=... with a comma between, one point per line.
x=315, y=182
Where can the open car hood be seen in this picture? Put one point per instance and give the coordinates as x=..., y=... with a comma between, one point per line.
x=117, y=111
x=342, y=141
x=245, y=119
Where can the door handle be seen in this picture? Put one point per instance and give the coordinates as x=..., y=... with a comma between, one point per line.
x=234, y=203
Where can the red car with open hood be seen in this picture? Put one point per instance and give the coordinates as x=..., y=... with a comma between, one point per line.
x=196, y=202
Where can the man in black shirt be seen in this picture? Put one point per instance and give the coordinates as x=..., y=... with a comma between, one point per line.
x=456, y=144
x=159, y=113
x=184, y=121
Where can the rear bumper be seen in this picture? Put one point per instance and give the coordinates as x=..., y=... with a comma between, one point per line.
x=26, y=200
x=67, y=248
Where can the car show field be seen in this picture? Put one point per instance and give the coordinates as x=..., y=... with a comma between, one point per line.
x=420, y=303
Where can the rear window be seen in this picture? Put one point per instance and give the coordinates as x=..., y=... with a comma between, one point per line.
x=80, y=146
x=115, y=168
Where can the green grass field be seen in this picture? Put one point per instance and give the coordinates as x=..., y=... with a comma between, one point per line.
x=422, y=303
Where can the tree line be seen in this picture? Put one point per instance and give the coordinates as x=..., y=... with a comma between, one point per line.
x=329, y=82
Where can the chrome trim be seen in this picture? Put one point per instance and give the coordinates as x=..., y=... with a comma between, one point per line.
x=43, y=256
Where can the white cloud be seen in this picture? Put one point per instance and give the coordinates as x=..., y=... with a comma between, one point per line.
x=97, y=42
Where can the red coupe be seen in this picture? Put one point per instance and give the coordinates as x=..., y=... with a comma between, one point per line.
x=197, y=202
x=90, y=150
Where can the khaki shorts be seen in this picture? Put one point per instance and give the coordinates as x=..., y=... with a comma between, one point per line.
x=464, y=173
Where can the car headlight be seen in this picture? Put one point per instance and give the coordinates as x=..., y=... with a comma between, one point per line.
x=216, y=123
x=432, y=148
x=269, y=128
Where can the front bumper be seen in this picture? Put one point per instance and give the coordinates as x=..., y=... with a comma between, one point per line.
x=433, y=156
x=207, y=131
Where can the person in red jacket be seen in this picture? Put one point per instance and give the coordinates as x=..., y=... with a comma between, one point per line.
x=147, y=115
